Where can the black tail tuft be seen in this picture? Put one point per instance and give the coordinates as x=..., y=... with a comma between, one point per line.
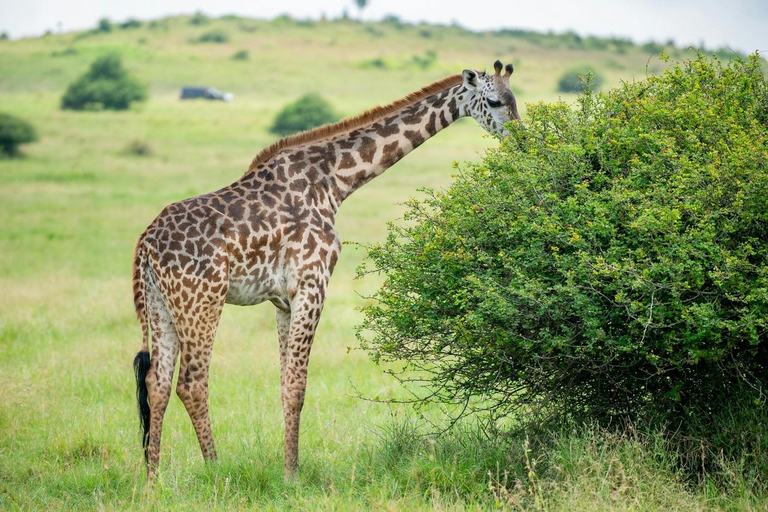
x=140, y=368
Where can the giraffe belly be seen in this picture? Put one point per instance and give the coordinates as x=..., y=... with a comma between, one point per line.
x=249, y=290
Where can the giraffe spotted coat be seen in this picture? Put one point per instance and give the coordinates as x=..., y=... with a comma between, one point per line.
x=270, y=236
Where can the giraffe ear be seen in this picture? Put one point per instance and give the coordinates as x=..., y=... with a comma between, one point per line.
x=470, y=79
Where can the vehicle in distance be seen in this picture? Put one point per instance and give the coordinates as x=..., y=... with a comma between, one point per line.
x=208, y=93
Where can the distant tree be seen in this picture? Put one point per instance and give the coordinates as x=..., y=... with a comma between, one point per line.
x=130, y=23
x=240, y=55
x=199, y=19
x=106, y=85
x=4, y=36
x=652, y=47
x=391, y=19
x=212, y=36
x=159, y=24
x=104, y=25
x=361, y=4
x=14, y=131
x=308, y=112
x=573, y=80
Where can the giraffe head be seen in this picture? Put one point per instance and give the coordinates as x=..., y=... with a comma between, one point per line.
x=490, y=102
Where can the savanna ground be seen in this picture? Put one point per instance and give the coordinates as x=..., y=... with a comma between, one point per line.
x=72, y=207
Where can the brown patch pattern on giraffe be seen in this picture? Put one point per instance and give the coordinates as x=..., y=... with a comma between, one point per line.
x=270, y=236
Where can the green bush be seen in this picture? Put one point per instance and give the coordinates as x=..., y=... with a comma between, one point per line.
x=394, y=21
x=213, y=36
x=608, y=261
x=66, y=52
x=573, y=80
x=199, y=19
x=161, y=24
x=241, y=55
x=652, y=47
x=131, y=23
x=105, y=86
x=307, y=112
x=377, y=63
x=14, y=131
x=104, y=25
x=139, y=147
x=426, y=61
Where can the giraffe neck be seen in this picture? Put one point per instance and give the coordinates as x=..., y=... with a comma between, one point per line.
x=367, y=152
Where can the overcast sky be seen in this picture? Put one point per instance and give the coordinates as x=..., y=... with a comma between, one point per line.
x=739, y=24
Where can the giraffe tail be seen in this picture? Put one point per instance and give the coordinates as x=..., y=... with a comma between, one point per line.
x=141, y=361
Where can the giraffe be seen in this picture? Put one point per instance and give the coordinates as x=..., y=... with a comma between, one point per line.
x=270, y=236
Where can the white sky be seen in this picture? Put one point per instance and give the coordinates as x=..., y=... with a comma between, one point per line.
x=739, y=24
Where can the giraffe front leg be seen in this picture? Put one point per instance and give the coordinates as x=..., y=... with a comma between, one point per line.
x=305, y=314
x=283, y=331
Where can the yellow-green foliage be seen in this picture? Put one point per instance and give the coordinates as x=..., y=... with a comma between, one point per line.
x=608, y=262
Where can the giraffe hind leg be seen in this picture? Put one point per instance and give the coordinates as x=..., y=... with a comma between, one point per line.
x=192, y=389
x=196, y=336
x=165, y=348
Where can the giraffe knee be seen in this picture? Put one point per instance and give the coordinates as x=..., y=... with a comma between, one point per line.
x=191, y=392
x=151, y=378
x=154, y=390
x=294, y=399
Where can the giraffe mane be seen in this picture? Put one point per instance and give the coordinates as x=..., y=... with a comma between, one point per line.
x=352, y=123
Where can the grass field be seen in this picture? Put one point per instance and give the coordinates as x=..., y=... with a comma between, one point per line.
x=70, y=212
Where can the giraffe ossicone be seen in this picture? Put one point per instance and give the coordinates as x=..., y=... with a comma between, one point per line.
x=271, y=236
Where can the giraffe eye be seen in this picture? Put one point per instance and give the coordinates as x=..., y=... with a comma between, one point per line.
x=493, y=103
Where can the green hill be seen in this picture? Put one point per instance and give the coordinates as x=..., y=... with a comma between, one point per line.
x=72, y=207
x=166, y=53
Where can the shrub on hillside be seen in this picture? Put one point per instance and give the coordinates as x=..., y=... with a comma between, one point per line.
x=309, y=111
x=212, y=36
x=608, y=261
x=199, y=19
x=106, y=85
x=652, y=47
x=573, y=80
x=104, y=25
x=393, y=21
x=241, y=55
x=425, y=61
x=14, y=131
x=130, y=23
x=161, y=24
x=139, y=147
x=377, y=63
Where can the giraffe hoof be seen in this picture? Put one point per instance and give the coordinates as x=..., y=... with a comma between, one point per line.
x=291, y=477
